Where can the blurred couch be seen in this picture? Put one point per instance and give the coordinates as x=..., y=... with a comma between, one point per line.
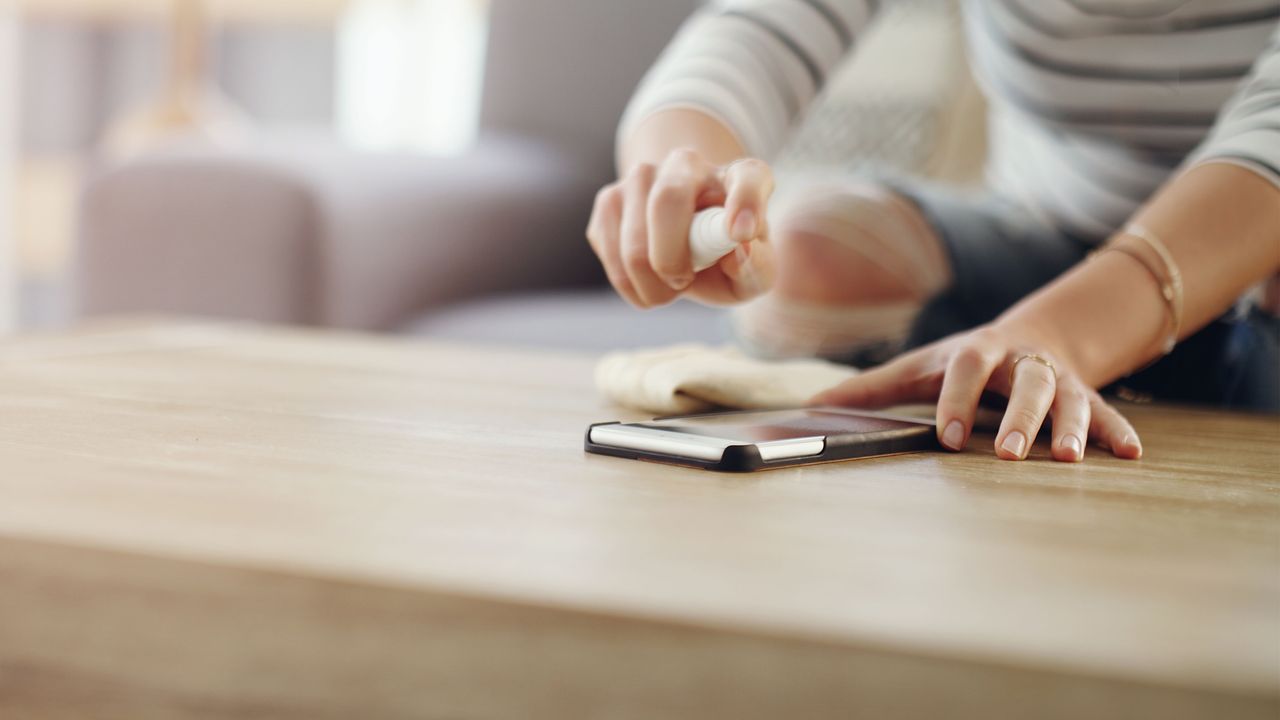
x=487, y=246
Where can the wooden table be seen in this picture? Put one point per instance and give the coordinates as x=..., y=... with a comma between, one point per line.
x=203, y=521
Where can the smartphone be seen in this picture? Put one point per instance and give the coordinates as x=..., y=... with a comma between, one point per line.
x=750, y=440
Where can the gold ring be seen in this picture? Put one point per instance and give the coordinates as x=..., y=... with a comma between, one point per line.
x=1037, y=358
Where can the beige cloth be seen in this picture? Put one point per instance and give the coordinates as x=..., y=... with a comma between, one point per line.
x=691, y=378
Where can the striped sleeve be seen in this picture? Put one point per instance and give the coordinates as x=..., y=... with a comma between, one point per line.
x=755, y=65
x=1247, y=131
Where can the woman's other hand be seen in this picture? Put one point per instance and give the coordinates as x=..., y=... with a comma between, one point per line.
x=956, y=372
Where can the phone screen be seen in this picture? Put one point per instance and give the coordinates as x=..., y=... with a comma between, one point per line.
x=764, y=426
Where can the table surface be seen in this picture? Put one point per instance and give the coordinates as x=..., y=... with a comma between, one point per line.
x=200, y=519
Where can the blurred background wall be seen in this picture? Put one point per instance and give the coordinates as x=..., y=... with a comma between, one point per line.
x=374, y=74
x=8, y=161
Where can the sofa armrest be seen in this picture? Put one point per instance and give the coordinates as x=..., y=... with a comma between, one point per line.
x=331, y=237
x=202, y=235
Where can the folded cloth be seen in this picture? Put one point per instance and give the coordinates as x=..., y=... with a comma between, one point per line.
x=692, y=378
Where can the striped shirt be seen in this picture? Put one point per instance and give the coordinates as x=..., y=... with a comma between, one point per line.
x=1093, y=103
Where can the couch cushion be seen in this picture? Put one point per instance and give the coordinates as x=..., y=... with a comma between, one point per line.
x=586, y=320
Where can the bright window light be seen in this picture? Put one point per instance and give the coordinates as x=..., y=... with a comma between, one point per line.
x=410, y=74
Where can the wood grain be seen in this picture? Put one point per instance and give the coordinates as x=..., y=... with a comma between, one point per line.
x=228, y=521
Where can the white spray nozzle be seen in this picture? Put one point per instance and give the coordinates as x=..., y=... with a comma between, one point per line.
x=709, y=238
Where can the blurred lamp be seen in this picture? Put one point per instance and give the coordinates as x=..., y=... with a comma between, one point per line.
x=189, y=104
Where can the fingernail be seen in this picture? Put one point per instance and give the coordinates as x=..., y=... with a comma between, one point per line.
x=744, y=226
x=1072, y=444
x=953, y=436
x=1131, y=442
x=680, y=283
x=1015, y=443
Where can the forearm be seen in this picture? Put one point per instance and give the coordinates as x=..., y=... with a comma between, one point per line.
x=666, y=130
x=1106, y=317
x=754, y=65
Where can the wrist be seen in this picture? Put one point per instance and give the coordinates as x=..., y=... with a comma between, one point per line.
x=1095, y=326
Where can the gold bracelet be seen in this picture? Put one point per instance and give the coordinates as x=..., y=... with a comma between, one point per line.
x=1172, y=290
x=1169, y=282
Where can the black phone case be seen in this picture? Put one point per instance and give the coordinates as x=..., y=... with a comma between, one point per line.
x=746, y=457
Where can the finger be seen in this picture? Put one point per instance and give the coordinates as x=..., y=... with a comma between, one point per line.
x=736, y=281
x=968, y=373
x=914, y=377
x=603, y=232
x=649, y=288
x=712, y=195
x=751, y=269
x=748, y=185
x=1030, y=397
x=1112, y=430
x=606, y=210
x=1071, y=415
x=672, y=202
